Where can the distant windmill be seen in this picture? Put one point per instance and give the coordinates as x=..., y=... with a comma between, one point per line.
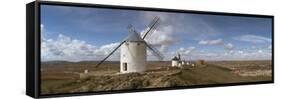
x=133, y=50
x=177, y=61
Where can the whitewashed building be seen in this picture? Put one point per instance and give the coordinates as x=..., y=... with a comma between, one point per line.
x=176, y=61
x=133, y=50
x=133, y=54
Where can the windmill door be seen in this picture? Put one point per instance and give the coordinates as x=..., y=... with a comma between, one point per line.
x=125, y=66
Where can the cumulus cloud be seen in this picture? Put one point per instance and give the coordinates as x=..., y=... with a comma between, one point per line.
x=217, y=42
x=172, y=26
x=161, y=36
x=66, y=48
x=229, y=46
x=242, y=54
x=186, y=51
x=106, y=49
x=258, y=54
x=253, y=38
x=191, y=25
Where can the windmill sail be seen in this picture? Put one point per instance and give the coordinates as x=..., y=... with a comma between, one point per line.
x=110, y=54
x=152, y=26
x=134, y=36
x=131, y=29
x=155, y=52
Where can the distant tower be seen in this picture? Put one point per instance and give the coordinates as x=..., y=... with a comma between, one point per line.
x=182, y=62
x=133, y=54
x=175, y=61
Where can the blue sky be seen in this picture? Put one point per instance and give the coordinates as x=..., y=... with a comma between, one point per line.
x=78, y=33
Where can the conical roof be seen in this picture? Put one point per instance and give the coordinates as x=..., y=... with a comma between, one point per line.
x=175, y=58
x=134, y=37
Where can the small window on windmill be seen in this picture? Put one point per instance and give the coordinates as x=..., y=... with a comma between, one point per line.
x=138, y=44
x=125, y=66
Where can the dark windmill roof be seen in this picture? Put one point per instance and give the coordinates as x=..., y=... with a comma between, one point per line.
x=175, y=58
x=134, y=37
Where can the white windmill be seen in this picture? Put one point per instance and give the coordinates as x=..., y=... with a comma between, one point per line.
x=176, y=61
x=133, y=50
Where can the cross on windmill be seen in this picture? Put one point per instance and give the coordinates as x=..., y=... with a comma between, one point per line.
x=133, y=49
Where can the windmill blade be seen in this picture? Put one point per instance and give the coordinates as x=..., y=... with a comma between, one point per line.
x=152, y=26
x=131, y=29
x=155, y=52
x=109, y=54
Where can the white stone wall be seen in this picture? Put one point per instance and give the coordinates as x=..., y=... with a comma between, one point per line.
x=174, y=63
x=134, y=54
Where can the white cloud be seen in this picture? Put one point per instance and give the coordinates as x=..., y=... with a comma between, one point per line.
x=172, y=26
x=160, y=36
x=230, y=55
x=186, y=51
x=240, y=52
x=191, y=25
x=217, y=42
x=42, y=26
x=66, y=48
x=229, y=46
x=231, y=52
x=106, y=49
x=260, y=51
x=211, y=42
x=253, y=38
x=203, y=42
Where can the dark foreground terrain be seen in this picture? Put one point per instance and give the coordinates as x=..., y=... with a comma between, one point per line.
x=65, y=77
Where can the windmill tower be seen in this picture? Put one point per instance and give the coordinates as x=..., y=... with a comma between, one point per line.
x=177, y=61
x=133, y=54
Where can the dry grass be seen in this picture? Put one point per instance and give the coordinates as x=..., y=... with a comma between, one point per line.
x=64, y=78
